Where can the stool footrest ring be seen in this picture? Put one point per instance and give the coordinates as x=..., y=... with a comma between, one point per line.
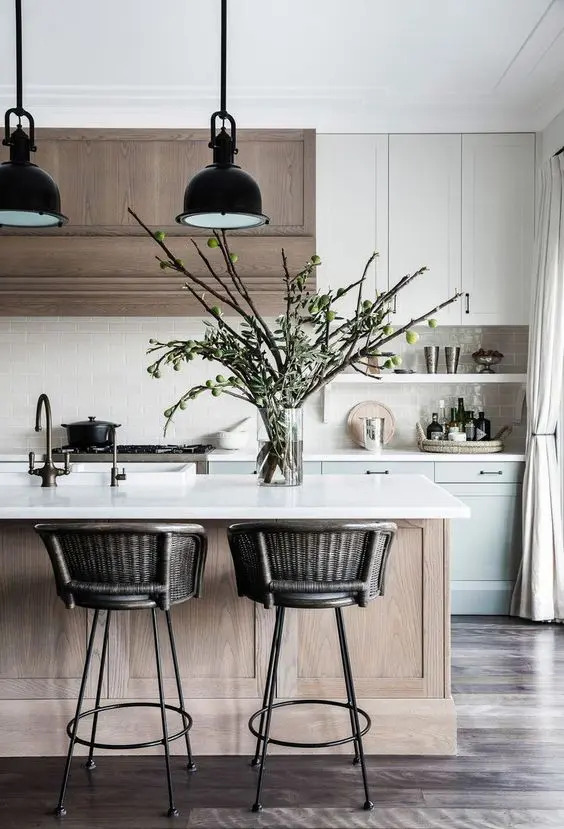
x=325, y=744
x=119, y=746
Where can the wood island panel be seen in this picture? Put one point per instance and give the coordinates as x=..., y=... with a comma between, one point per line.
x=399, y=650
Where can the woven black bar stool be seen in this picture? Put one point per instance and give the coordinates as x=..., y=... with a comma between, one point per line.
x=310, y=565
x=126, y=567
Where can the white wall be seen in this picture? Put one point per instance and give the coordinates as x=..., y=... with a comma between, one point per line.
x=552, y=137
x=98, y=367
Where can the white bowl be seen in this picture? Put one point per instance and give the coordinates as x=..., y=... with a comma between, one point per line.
x=232, y=440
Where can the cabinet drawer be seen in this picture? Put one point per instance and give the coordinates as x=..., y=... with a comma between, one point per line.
x=378, y=468
x=249, y=468
x=479, y=472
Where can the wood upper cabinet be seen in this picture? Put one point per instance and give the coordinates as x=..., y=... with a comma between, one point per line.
x=102, y=263
x=497, y=227
x=424, y=223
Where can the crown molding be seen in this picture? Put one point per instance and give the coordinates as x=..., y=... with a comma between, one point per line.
x=327, y=109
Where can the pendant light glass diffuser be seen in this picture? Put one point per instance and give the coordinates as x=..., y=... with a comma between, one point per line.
x=28, y=195
x=222, y=196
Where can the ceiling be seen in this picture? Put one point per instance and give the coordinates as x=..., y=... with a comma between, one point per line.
x=354, y=66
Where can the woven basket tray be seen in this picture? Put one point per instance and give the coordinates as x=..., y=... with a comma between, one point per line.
x=450, y=447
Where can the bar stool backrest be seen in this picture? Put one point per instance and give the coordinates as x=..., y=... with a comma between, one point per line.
x=163, y=563
x=312, y=557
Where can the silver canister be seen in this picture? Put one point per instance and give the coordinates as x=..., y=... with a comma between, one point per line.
x=452, y=355
x=373, y=433
x=431, y=358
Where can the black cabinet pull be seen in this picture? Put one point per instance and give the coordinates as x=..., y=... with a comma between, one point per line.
x=499, y=472
x=383, y=472
x=395, y=308
x=467, y=311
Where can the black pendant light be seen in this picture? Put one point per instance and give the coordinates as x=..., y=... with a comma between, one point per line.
x=28, y=195
x=222, y=196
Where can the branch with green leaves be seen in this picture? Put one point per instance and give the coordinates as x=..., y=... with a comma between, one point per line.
x=311, y=342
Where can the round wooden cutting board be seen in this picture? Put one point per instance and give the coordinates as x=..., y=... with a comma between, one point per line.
x=369, y=408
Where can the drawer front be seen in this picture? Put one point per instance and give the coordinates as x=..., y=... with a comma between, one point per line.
x=379, y=468
x=249, y=468
x=479, y=472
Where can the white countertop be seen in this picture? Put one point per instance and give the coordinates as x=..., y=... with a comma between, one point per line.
x=233, y=497
x=358, y=454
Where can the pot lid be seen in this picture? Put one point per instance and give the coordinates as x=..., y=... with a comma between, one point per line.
x=90, y=422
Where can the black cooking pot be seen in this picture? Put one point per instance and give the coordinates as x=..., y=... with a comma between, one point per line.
x=89, y=432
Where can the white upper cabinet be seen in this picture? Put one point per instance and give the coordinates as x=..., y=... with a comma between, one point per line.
x=352, y=211
x=424, y=223
x=497, y=227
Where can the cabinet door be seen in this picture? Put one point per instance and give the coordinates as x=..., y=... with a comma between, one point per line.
x=249, y=468
x=352, y=218
x=497, y=227
x=424, y=223
x=486, y=549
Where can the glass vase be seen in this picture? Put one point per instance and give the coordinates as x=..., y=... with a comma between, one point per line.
x=280, y=447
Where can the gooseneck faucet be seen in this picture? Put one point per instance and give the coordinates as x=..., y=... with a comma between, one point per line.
x=48, y=472
x=116, y=475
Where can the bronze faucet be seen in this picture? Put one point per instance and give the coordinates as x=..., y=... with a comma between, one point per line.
x=116, y=475
x=48, y=472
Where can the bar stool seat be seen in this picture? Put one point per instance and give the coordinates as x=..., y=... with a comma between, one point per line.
x=310, y=565
x=123, y=567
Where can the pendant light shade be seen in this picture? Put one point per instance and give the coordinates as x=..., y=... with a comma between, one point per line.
x=222, y=196
x=28, y=195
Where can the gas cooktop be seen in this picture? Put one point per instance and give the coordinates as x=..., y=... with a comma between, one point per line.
x=138, y=449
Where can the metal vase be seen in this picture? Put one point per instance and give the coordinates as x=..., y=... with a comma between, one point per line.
x=452, y=355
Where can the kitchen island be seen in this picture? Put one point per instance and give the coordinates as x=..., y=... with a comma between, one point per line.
x=399, y=644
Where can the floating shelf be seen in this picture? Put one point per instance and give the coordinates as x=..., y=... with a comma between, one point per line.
x=417, y=378
x=430, y=378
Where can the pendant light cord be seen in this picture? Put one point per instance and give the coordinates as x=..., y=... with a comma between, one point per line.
x=19, y=73
x=223, y=97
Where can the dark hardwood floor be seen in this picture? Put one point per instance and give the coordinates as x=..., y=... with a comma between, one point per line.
x=508, y=682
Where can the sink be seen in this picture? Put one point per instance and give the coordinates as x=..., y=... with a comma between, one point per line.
x=98, y=474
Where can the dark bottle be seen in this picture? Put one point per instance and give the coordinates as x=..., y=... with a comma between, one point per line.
x=434, y=429
x=460, y=414
x=482, y=427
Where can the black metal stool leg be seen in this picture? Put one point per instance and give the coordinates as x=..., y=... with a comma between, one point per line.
x=191, y=764
x=90, y=764
x=172, y=810
x=269, y=679
x=356, y=758
x=60, y=811
x=277, y=639
x=368, y=804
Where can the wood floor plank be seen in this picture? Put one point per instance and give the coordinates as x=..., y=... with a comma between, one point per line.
x=509, y=773
x=400, y=818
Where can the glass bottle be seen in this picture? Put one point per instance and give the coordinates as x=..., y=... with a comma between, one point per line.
x=434, y=429
x=453, y=423
x=443, y=420
x=470, y=426
x=483, y=427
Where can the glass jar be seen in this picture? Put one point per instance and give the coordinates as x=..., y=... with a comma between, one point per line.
x=280, y=447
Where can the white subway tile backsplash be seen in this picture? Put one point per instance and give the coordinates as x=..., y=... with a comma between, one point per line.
x=95, y=366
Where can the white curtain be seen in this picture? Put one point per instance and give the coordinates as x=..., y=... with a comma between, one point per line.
x=539, y=591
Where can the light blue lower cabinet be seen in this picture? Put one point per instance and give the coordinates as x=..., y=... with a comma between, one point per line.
x=249, y=467
x=486, y=549
x=370, y=467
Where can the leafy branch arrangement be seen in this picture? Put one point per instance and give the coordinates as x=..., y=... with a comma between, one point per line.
x=278, y=367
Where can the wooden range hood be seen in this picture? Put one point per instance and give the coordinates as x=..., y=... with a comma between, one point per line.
x=101, y=263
